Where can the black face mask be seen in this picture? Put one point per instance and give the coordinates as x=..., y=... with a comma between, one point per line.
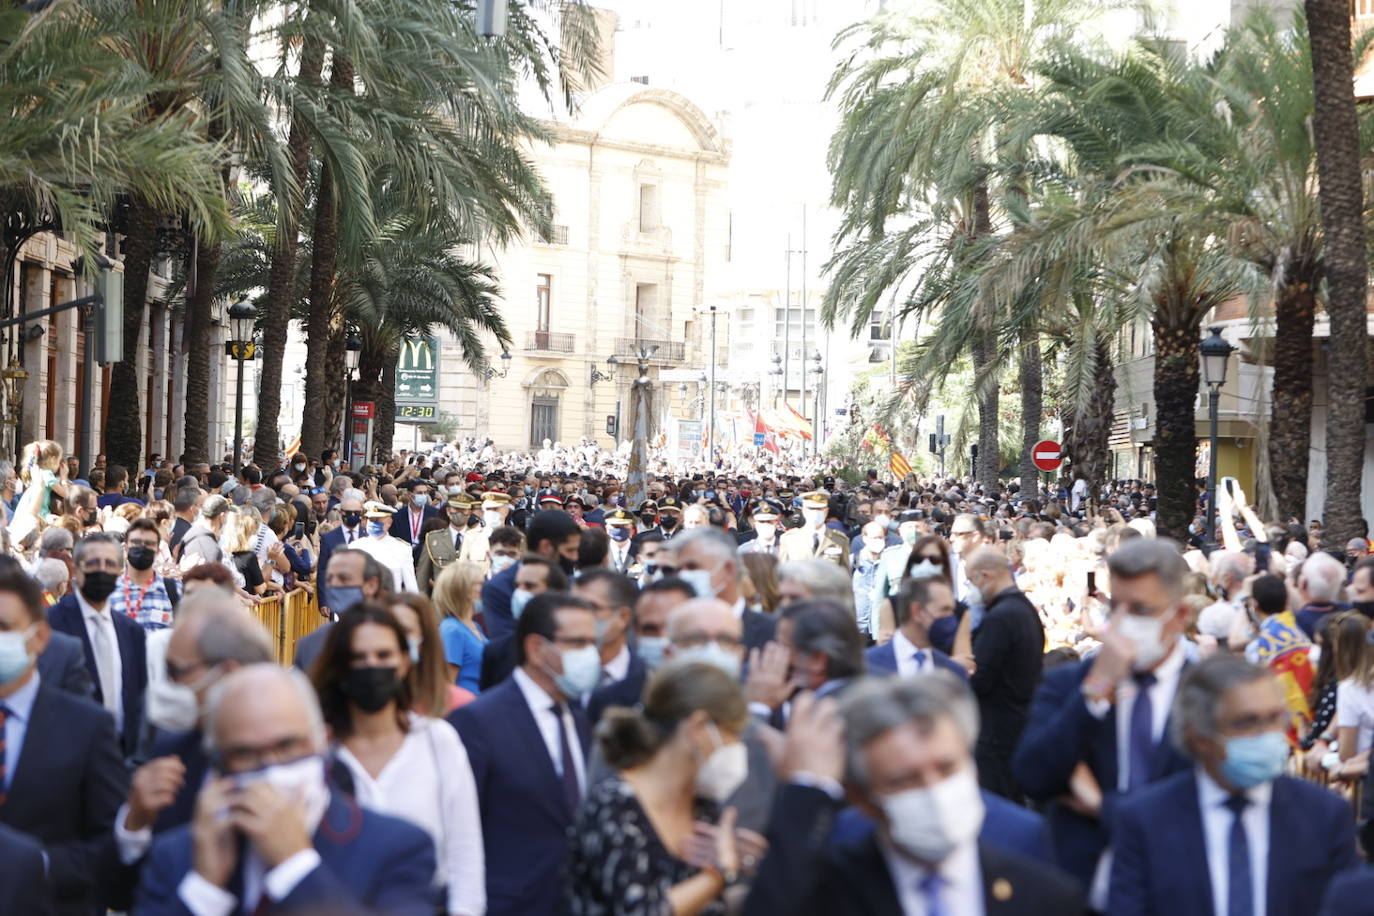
x=1364, y=607
x=141, y=557
x=370, y=689
x=473, y=521
x=668, y=523
x=648, y=520
x=568, y=566
x=97, y=586
x=351, y=519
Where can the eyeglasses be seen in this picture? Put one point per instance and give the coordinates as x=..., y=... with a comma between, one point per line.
x=247, y=759
x=697, y=640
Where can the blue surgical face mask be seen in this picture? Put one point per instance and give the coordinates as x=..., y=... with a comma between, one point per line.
x=375, y=528
x=415, y=645
x=339, y=598
x=618, y=533
x=712, y=654
x=942, y=633
x=14, y=654
x=1254, y=759
x=420, y=500
x=650, y=648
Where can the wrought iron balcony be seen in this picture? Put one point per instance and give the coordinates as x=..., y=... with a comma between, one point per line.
x=674, y=351
x=549, y=342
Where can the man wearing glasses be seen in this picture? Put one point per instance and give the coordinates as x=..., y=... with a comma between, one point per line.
x=116, y=653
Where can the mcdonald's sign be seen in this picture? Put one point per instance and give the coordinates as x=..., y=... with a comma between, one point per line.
x=417, y=371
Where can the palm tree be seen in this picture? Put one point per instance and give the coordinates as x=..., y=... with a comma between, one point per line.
x=1336, y=137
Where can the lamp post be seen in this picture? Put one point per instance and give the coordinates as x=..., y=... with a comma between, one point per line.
x=1216, y=353
x=490, y=372
x=241, y=316
x=353, y=351
x=818, y=371
x=711, y=441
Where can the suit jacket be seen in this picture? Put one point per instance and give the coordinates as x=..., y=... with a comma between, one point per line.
x=625, y=692
x=622, y=565
x=1350, y=893
x=438, y=552
x=496, y=592
x=63, y=664
x=1009, y=647
x=883, y=660
x=758, y=629
x=802, y=875
x=1159, y=856
x=65, y=617
x=1006, y=825
x=498, y=661
x=69, y=782
x=800, y=544
x=1061, y=734
x=400, y=527
x=23, y=886
x=369, y=863
x=309, y=647
x=331, y=542
x=525, y=816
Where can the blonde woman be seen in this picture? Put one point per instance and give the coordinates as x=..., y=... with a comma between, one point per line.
x=43, y=473
x=242, y=530
x=456, y=594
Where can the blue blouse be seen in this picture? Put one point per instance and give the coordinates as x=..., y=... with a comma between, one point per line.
x=463, y=647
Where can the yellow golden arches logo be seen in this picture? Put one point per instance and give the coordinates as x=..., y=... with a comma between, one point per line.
x=417, y=353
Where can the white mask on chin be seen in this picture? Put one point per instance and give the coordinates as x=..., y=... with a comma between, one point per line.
x=1146, y=633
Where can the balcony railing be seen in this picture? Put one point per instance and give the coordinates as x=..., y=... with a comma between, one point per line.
x=559, y=236
x=667, y=350
x=549, y=341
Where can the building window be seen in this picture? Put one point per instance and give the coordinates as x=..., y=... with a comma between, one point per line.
x=646, y=311
x=648, y=207
x=543, y=420
x=878, y=328
x=543, y=297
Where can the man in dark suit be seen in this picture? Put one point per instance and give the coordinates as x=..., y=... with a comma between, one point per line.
x=352, y=576
x=650, y=625
x=1089, y=742
x=1009, y=648
x=23, y=881
x=910, y=768
x=409, y=523
x=213, y=636
x=1234, y=831
x=920, y=602
x=708, y=559
x=281, y=840
x=535, y=576
x=1350, y=893
x=63, y=664
x=824, y=646
x=351, y=513
x=116, y=657
x=527, y=742
x=614, y=596
x=61, y=776
x=552, y=534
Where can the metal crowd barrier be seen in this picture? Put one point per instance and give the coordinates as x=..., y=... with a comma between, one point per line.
x=1352, y=790
x=288, y=618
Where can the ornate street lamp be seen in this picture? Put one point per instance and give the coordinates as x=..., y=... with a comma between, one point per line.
x=13, y=377
x=490, y=372
x=818, y=371
x=1216, y=353
x=241, y=318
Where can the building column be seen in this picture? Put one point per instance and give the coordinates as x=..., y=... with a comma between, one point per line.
x=34, y=356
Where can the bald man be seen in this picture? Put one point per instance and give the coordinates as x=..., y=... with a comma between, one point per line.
x=267, y=829
x=1008, y=649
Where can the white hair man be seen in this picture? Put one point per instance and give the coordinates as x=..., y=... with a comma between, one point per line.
x=1319, y=585
x=708, y=559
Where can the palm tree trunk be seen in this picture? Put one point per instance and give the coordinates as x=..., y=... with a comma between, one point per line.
x=1089, y=437
x=198, y=304
x=124, y=419
x=267, y=436
x=336, y=390
x=384, y=433
x=984, y=350
x=323, y=265
x=1290, y=424
x=1032, y=404
x=1336, y=138
x=1175, y=388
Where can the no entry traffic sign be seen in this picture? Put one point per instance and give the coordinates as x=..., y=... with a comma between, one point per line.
x=1047, y=455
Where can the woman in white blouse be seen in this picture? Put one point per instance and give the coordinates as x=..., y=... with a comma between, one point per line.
x=401, y=763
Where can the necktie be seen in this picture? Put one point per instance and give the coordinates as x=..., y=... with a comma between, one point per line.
x=930, y=890
x=4, y=776
x=1142, y=744
x=920, y=658
x=816, y=543
x=457, y=540
x=105, y=662
x=571, y=791
x=348, y=535
x=1239, y=891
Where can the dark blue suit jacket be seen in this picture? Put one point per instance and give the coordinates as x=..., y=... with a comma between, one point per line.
x=65, y=790
x=625, y=692
x=63, y=664
x=1006, y=825
x=400, y=527
x=883, y=660
x=369, y=863
x=496, y=592
x=1350, y=894
x=23, y=887
x=1062, y=733
x=65, y=617
x=525, y=816
x=1159, y=856
x=331, y=542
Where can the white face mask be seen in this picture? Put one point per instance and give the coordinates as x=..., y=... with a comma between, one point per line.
x=766, y=530
x=931, y=822
x=581, y=671
x=814, y=517
x=713, y=654
x=724, y=771
x=173, y=707
x=492, y=517
x=300, y=780
x=1146, y=633
x=700, y=580
x=500, y=562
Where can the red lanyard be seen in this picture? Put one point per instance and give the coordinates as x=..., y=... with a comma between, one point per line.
x=131, y=608
x=415, y=521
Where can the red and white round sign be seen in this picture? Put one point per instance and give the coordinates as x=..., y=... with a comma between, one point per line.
x=1047, y=455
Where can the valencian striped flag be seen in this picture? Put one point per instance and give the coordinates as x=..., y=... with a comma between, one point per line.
x=899, y=466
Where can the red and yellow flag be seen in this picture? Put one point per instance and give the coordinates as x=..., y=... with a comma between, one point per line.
x=898, y=464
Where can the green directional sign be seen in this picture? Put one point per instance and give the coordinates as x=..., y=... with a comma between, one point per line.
x=417, y=371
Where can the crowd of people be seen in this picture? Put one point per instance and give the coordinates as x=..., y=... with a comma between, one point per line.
x=750, y=691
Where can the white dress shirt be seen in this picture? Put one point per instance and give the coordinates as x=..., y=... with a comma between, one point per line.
x=962, y=893
x=113, y=698
x=395, y=555
x=619, y=557
x=617, y=668
x=1161, y=701
x=428, y=781
x=541, y=704
x=1216, y=834
x=905, y=652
